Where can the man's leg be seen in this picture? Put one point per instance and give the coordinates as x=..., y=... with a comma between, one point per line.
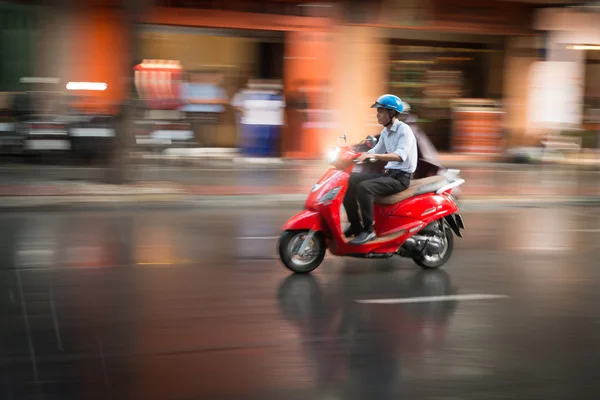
x=351, y=202
x=367, y=192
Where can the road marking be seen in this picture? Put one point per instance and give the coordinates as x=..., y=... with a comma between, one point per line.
x=456, y=297
x=542, y=248
x=106, y=385
x=585, y=230
x=28, y=329
x=55, y=318
x=155, y=263
x=35, y=251
x=257, y=237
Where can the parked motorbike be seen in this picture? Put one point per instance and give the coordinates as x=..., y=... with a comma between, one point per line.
x=417, y=223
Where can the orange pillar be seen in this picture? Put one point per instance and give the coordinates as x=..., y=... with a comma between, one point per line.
x=98, y=53
x=361, y=62
x=307, y=61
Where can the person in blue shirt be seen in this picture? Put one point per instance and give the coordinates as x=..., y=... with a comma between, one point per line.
x=203, y=93
x=204, y=102
x=398, y=147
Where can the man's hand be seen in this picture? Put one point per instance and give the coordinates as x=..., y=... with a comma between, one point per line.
x=389, y=157
x=364, y=156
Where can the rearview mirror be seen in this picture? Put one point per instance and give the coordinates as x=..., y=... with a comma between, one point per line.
x=371, y=141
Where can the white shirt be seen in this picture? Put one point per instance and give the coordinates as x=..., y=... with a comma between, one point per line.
x=399, y=139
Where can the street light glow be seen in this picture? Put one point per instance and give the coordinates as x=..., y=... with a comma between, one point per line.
x=98, y=86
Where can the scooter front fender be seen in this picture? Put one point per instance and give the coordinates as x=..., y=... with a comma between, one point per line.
x=306, y=219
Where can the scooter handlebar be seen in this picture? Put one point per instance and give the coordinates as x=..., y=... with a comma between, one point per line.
x=370, y=160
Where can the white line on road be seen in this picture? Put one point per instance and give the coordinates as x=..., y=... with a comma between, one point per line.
x=35, y=251
x=55, y=319
x=585, y=230
x=257, y=237
x=542, y=248
x=457, y=297
x=106, y=385
x=28, y=328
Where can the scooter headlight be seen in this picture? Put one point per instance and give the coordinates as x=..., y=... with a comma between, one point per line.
x=330, y=195
x=332, y=154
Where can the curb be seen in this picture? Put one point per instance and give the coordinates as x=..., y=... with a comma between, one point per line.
x=181, y=201
x=231, y=160
x=232, y=156
x=203, y=155
x=282, y=164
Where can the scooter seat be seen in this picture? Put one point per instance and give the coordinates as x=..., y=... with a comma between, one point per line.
x=417, y=187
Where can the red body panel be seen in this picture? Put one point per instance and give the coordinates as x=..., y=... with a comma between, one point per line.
x=306, y=219
x=330, y=180
x=425, y=208
x=393, y=223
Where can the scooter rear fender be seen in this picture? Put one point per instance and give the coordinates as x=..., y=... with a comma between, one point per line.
x=305, y=220
x=427, y=207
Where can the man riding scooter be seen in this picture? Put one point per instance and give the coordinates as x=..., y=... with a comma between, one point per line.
x=429, y=163
x=398, y=147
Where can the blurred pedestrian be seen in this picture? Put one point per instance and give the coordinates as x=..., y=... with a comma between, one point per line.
x=204, y=97
x=429, y=160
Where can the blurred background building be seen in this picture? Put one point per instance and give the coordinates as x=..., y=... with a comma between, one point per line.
x=482, y=76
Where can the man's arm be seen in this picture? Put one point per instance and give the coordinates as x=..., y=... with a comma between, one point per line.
x=374, y=152
x=388, y=157
x=379, y=147
x=405, y=143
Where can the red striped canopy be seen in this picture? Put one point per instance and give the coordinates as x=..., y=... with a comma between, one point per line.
x=158, y=83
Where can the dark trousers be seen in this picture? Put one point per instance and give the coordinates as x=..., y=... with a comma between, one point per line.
x=362, y=191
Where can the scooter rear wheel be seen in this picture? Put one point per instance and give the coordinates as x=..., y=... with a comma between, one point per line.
x=437, y=260
x=290, y=244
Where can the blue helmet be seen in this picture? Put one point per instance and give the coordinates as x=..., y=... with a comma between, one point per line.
x=390, y=102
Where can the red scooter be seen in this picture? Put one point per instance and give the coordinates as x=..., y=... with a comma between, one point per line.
x=416, y=223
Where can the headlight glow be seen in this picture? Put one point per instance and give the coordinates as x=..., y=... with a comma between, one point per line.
x=333, y=154
x=330, y=195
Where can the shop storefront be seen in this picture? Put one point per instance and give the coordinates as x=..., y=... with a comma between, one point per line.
x=591, y=103
x=332, y=58
x=448, y=60
x=568, y=75
x=17, y=43
x=216, y=65
x=244, y=41
x=431, y=76
x=17, y=33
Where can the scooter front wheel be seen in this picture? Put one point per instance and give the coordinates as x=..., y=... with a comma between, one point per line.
x=302, y=251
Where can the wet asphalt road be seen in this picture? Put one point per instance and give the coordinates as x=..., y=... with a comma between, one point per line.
x=194, y=305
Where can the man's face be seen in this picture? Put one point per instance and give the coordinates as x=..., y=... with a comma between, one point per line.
x=383, y=116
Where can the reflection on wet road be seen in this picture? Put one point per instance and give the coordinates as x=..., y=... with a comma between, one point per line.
x=182, y=305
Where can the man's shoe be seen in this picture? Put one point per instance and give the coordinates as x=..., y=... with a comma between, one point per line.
x=363, y=238
x=351, y=231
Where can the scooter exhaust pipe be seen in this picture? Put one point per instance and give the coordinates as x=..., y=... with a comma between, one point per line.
x=371, y=255
x=419, y=244
x=380, y=255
